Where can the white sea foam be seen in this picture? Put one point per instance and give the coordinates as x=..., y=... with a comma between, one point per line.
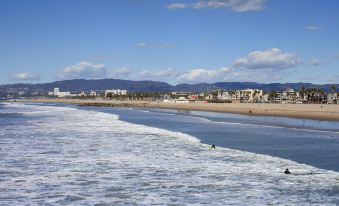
x=86, y=158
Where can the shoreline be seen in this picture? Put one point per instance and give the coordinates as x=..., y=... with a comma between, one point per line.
x=302, y=111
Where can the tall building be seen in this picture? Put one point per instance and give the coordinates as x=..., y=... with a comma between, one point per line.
x=56, y=91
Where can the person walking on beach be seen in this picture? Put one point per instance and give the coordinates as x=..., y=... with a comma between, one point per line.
x=213, y=146
x=287, y=172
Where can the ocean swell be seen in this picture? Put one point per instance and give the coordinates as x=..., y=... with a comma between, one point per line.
x=72, y=156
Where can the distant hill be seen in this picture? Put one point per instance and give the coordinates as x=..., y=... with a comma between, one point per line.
x=78, y=85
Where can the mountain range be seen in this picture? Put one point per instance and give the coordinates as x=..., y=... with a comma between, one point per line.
x=78, y=85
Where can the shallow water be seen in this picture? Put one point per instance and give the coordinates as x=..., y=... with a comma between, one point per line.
x=309, y=142
x=59, y=156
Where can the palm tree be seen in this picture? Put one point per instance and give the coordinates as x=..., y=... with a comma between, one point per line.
x=254, y=95
x=302, y=91
x=333, y=88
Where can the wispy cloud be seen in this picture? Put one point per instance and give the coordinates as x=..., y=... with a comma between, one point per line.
x=313, y=27
x=234, y=5
x=315, y=62
x=196, y=75
x=141, y=44
x=24, y=76
x=204, y=75
x=153, y=45
x=272, y=58
x=175, y=6
x=83, y=70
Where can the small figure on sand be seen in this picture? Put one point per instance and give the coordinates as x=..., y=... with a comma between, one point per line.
x=213, y=146
x=287, y=172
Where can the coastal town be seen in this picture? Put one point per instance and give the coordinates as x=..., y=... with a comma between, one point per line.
x=288, y=96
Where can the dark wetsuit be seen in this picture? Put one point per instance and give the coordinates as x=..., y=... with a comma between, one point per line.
x=287, y=172
x=213, y=146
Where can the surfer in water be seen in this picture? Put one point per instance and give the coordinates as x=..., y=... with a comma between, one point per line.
x=287, y=172
x=213, y=146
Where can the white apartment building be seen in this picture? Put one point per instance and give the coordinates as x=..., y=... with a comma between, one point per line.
x=93, y=93
x=225, y=96
x=64, y=94
x=278, y=98
x=56, y=91
x=332, y=98
x=115, y=92
x=251, y=95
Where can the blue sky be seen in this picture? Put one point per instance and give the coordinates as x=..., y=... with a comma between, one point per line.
x=170, y=40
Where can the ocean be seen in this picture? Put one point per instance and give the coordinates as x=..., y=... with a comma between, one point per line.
x=54, y=154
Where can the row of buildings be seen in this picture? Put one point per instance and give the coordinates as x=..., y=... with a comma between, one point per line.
x=288, y=96
x=107, y=93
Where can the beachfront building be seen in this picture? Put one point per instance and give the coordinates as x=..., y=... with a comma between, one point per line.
x=208, y=97
x=56, y=91
x=298, y=98
x=278, y=97
x=93, y=93
x=265, y=98
x=332, y=98
x=224, y=96
x=181, y=100
x=251, y=95
x=115, y=92
x=288, y=96
x=236, y=96
x=64, y=94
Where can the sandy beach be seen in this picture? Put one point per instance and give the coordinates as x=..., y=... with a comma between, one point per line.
x=306, y=111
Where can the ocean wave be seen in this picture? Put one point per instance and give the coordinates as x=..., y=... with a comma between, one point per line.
x=88, y=157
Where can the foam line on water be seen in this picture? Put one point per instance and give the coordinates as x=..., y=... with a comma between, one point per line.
x=204, y=119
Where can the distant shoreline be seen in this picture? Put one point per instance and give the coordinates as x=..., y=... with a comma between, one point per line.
x=303, y=111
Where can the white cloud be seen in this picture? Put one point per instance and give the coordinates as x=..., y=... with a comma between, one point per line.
x=24, y=76
x=83, y=70
x=141, y=44
x=235, y=5
x=313, y=27
x=315, y=62
x=174, y=76
x=175, y=6
x=204, y=75
x=268, y=59
x=153, y=45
